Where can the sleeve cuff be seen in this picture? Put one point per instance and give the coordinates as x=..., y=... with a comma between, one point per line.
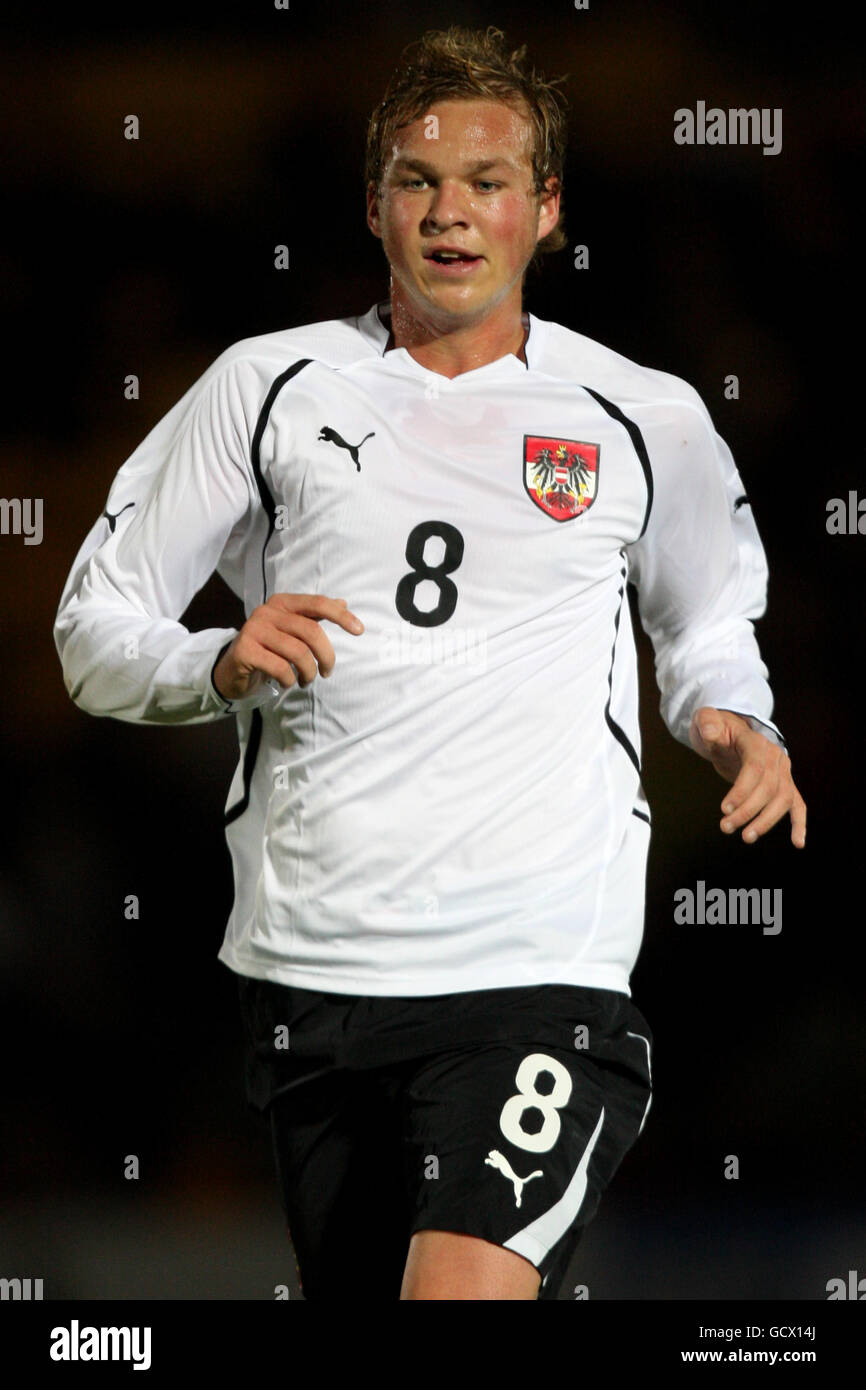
x=268, y=691
x=761, y=726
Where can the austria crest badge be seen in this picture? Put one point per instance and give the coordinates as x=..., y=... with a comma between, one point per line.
x=560, y=475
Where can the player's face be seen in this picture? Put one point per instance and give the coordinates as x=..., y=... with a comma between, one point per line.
x=461, y=181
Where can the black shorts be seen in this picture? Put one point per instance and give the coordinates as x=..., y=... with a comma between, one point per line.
x=499, y=1113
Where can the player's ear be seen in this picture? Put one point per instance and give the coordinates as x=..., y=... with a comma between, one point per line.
x=373, y=209
x=548, y=206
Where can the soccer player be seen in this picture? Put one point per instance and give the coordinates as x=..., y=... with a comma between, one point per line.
x=437, y=824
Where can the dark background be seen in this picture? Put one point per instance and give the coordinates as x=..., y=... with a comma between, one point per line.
x=151, y=257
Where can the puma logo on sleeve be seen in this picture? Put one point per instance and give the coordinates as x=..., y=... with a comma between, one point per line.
x=112, y=520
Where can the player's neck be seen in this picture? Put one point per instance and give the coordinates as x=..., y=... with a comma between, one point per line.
x=452, y=352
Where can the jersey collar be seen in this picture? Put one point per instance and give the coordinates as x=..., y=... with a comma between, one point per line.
x=374, y=326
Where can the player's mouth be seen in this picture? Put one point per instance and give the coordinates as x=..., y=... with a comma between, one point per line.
x=452, y=260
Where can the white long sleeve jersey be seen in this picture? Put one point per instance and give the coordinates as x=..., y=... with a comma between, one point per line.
x=459, y=805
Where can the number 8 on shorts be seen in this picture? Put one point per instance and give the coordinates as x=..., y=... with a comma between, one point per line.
x=528, y=1098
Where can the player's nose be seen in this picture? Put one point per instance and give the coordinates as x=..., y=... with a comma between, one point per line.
x=449, y=204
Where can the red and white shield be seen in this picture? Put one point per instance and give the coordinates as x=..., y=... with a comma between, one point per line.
x=560, y=475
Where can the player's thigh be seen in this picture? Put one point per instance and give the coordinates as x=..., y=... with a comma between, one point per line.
x=336, y=1139
x=339, y=1158
x=449, y=1265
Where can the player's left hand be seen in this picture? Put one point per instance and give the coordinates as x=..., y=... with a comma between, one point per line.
x=763, y=790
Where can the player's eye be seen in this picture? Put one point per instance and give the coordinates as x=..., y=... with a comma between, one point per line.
x=407, y=183
x=488, y=183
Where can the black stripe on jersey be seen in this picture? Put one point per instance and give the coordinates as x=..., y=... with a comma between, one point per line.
x=270, y=507
x=616, y=729
x=252, y=752
x=268, y=502
x=639, y=447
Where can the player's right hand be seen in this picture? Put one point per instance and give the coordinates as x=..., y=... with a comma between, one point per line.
x=282, y=640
